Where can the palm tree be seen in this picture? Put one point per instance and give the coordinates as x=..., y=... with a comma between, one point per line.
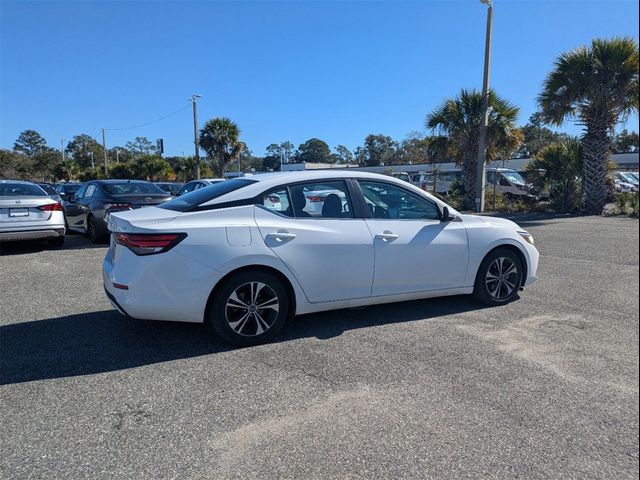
x=460, y=119
x=220, y=138
x=598, y=87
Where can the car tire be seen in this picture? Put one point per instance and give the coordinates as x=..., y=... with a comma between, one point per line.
x=235, y=314
x=56, y=242
x=499, y=277
x=96, y=232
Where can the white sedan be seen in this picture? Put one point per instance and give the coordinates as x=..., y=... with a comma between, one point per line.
x=229, y=256
x=27, y=212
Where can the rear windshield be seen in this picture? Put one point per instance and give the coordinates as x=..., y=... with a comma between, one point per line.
x=20, y=189
x=48, y=188
x=186, y=202
x=131, y=188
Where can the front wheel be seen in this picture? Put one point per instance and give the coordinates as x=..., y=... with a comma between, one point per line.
x=499, y=277
x=249, y=308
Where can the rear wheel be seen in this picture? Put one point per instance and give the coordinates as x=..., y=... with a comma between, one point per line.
x=499, y=277
x=249, y=308
x=96, y=232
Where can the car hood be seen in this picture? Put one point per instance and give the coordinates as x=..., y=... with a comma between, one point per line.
x=492, y=221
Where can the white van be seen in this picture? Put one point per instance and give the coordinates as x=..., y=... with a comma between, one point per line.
x=505, y=182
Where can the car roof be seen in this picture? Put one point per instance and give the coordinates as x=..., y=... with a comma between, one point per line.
x=261, y=182
x=18, y=181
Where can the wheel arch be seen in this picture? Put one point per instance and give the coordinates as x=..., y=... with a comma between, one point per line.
x=513, y=248
x=286, y=282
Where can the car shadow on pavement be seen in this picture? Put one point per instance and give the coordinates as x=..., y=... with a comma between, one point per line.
x=72, y=242
x=105, y=341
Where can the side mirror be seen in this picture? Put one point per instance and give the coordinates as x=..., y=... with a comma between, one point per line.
x=446, y=217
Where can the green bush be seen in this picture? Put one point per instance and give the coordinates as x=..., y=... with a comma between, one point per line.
x=627, y=204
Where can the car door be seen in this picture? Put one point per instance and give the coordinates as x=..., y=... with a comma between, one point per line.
x=312, y=228
x=74, y=210
x=414, y=250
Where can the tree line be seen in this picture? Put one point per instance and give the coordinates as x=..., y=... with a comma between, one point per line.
x=595, y=86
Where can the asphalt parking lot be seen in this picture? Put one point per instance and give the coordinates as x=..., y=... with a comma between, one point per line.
x=544, y=387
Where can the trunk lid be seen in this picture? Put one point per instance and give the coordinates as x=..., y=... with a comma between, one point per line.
x=22, y=209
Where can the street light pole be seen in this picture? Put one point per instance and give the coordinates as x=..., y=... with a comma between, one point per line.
x=194, y=100
x=482, y=147
x=104, y=150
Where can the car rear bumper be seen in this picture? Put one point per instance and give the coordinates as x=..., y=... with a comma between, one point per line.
x=166, y=286
x=31, y=234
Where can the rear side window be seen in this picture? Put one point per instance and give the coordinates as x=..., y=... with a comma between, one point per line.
x=188, y=201
x=48, y=188
x=19, y=189
x=278, y=201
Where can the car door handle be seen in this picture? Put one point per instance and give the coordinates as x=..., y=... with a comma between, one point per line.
x=281, y=236
x=387, y=236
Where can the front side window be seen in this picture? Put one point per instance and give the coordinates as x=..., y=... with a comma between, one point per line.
x=320, y=200
x=389, y=201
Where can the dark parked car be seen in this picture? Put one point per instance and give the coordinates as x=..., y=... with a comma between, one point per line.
x=90, y=206
x=170, y=187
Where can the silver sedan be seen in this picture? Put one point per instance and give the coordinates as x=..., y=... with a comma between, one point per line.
x=28, y=213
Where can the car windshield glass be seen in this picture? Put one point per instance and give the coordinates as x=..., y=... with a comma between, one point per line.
x=48, y=188
x=131, y=188
x=514, y=177
x=70, y=188
x=190, y=200
x=629, y=177
x=18, y=189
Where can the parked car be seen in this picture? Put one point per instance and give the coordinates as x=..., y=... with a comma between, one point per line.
x=230, y=256
x=28, y=213
x=88, y=209
x=170, y=187
x=404, y=176
x=625, y=182
x=50, y=190
x=198, y=184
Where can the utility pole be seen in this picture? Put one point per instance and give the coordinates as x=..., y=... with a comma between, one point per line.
x=104, y=151
x=93, y=165
x=62, y=148
x=117, y=156
x=194, y=100
x=482, y=147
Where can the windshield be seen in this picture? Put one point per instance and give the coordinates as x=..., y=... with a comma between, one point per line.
x=629, y=177
x=20, y=189
x=131, y=188
x=514, y=177
x=190, y=200
x=48, y=188
x=71, y=188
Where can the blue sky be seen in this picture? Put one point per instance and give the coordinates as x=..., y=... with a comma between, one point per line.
x=281, y=70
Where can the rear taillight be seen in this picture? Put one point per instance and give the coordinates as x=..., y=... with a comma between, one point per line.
x=118, y=207
x=149, y=243
x=315, y=198
x=51, y=207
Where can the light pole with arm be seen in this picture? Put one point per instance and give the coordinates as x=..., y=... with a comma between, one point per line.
x=482, y=147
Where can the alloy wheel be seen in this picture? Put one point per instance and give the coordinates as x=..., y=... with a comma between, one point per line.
x=252, y=309
x=501, y=278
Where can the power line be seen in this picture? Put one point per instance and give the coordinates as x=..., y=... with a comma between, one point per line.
x=149, y=123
